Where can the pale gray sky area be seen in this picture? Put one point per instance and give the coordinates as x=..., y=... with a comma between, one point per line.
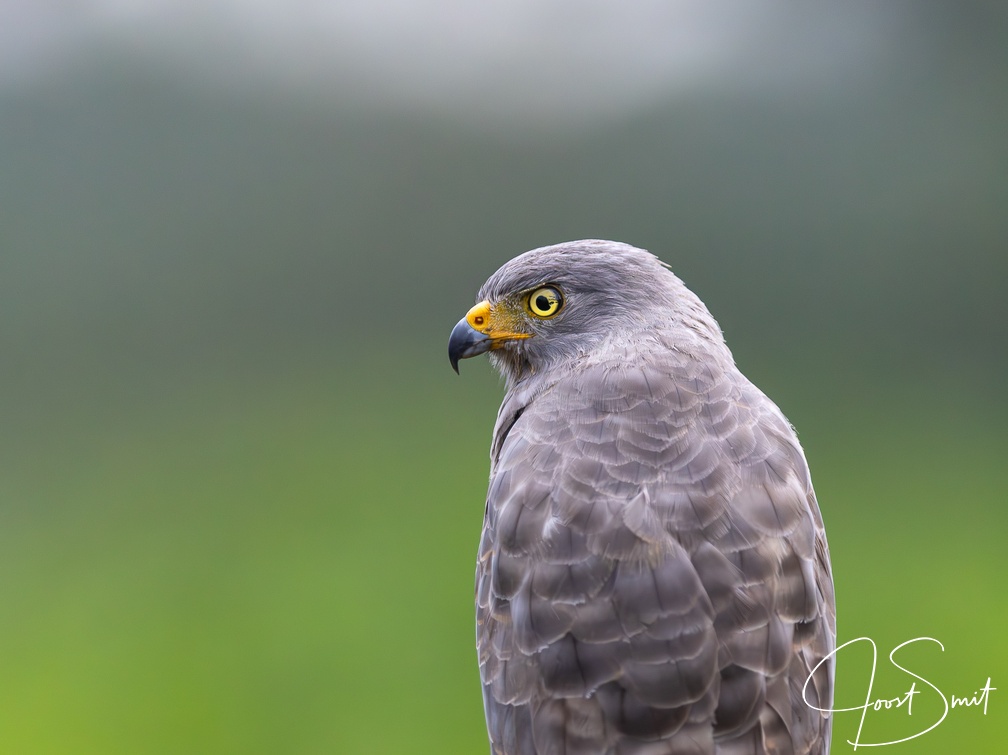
x=545, y=62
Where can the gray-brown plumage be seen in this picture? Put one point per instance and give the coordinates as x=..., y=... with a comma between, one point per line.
x=653, y=576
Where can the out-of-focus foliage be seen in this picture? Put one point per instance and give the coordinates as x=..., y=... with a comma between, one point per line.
x=240, y=488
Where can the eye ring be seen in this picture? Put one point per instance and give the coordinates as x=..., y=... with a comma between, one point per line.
x=545, y=302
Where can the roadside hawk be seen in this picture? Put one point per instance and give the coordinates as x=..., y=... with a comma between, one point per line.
x=653, y=576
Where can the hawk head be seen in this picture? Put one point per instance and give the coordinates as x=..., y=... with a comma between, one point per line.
x=557, y=304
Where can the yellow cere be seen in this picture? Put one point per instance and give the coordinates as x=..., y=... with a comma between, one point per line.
x=500, y=322
x=479, y=317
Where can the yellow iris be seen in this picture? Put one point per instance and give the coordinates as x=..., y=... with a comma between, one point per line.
x=545, y=302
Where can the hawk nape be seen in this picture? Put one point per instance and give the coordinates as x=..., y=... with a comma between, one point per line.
x=653, y=575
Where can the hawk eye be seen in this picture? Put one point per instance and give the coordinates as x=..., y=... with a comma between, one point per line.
x=545, y=302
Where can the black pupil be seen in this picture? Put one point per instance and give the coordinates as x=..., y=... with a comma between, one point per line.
x=543, y=302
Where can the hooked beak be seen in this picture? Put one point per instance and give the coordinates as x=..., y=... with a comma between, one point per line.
x=477, y=333
x=466, y=342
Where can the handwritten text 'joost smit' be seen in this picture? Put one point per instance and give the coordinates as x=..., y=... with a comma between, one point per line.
x=978, y=699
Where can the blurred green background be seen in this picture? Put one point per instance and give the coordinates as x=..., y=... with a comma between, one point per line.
x=240, y=487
